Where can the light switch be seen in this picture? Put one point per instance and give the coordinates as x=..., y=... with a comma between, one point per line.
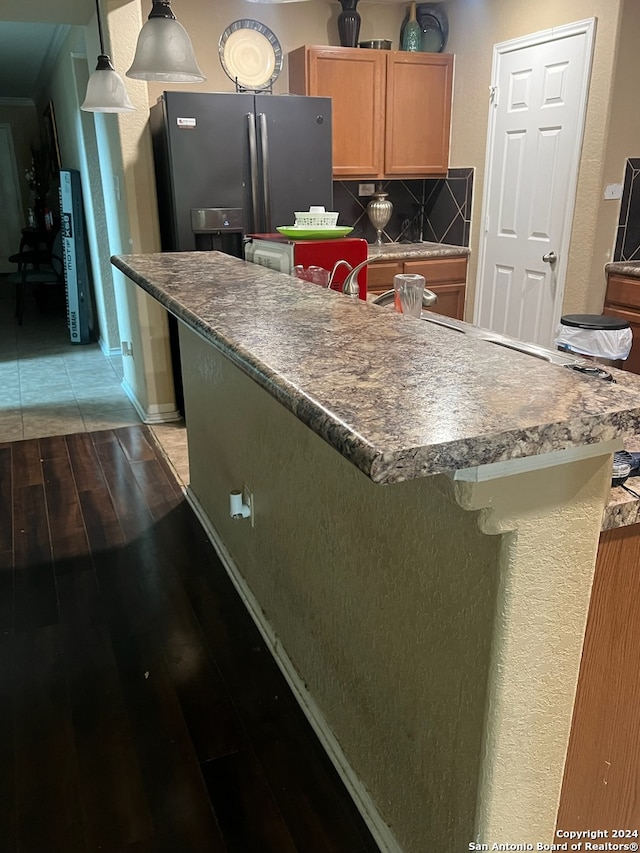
x=613, y=191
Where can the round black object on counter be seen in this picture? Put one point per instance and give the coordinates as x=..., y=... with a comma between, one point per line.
x=593, y=321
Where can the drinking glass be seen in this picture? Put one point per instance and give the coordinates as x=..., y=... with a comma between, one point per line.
x=409, y=288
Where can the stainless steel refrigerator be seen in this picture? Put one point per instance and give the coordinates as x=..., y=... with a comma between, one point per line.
x=229, y=164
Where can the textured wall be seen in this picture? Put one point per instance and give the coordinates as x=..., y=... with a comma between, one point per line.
x=391, y=639
x=439, y=655
x=543, y=594
x=66, y=86
x=142, y=321
x=293, y=24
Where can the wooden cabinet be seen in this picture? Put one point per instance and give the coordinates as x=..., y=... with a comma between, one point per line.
x=391, y=109
x=600, y=787
x=622, y=300
x=446, y=277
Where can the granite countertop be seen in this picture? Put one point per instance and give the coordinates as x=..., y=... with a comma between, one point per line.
x=404, y=251
x=623, y=507
x=629, y=268
x=399, y=398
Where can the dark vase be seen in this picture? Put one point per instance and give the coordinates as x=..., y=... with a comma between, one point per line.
x=349, y=23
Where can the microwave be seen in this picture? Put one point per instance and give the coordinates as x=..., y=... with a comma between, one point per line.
x=282, y=254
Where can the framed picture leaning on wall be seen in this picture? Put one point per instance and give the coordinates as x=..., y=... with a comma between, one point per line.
x=51, y=139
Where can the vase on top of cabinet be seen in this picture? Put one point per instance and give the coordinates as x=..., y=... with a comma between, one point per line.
x=412, y=35
x=349, y=23
x=378, y=129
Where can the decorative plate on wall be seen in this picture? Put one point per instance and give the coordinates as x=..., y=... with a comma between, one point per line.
x=250, y=54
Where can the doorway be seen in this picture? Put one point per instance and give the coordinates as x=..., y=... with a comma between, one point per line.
x=539, y=93
x=11, y=220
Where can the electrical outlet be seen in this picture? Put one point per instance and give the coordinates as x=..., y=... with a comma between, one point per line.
x=247, y=498
x=612, y=191
x=366, y=189
x=127, y=348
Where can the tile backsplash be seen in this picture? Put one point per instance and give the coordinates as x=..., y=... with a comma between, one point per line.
x=628, y=235
x=434, y=209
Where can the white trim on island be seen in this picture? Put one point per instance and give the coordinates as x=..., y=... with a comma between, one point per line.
x=482, y=473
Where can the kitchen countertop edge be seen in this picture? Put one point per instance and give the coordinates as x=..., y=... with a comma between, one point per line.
x=380, y=464
x=423, y=250
x=629, y=268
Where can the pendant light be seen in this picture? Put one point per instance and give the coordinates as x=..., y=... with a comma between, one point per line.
x=164, y=51
x=106, y=92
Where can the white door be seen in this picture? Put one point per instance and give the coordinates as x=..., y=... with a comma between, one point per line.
x=539, y=97
x=11, y=221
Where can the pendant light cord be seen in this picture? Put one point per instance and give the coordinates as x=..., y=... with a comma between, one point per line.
x=100, y=28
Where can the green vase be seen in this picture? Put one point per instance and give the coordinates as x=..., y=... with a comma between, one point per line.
x=412, y=35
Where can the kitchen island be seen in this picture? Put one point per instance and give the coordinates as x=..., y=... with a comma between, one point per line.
x=426, y=512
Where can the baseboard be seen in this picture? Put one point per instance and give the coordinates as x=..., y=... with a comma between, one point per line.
x=153, y=415
x=109, y=352
x=381, y=832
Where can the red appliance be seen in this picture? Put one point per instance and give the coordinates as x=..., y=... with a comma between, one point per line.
x=283, y=254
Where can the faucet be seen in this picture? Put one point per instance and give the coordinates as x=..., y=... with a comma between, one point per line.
x=335, y=269
x=350, y=284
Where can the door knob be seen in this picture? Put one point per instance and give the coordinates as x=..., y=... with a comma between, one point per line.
x=550, y=258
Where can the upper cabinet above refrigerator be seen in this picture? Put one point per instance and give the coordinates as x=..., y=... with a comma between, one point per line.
x=391, y=109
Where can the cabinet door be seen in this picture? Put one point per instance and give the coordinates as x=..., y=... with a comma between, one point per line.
x=600, y=786
x=380, y=275
x=632, y=364
x=450, y=300
x=447, y=278
x=623, y=290
x=354, y=79
x=418, y=113
x=439, y=270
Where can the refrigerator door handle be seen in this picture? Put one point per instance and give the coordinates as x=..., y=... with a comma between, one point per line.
x=266, y=178
x=254, y=173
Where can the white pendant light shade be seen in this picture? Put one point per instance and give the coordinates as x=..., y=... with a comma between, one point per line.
x=164, y=51
x=106, y=92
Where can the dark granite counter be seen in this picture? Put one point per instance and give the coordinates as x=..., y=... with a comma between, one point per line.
x=399, y=398
x=416, y=251
x=624, y=508
x=629, y=268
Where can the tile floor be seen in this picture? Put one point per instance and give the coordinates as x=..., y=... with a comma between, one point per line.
x=49, y=386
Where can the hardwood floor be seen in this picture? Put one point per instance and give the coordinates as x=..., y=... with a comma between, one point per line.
x=140, y=711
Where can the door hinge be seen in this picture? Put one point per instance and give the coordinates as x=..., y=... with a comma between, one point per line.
x=493, y=95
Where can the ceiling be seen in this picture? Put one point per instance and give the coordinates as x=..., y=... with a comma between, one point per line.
x=31, y=34
x=27, y=52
